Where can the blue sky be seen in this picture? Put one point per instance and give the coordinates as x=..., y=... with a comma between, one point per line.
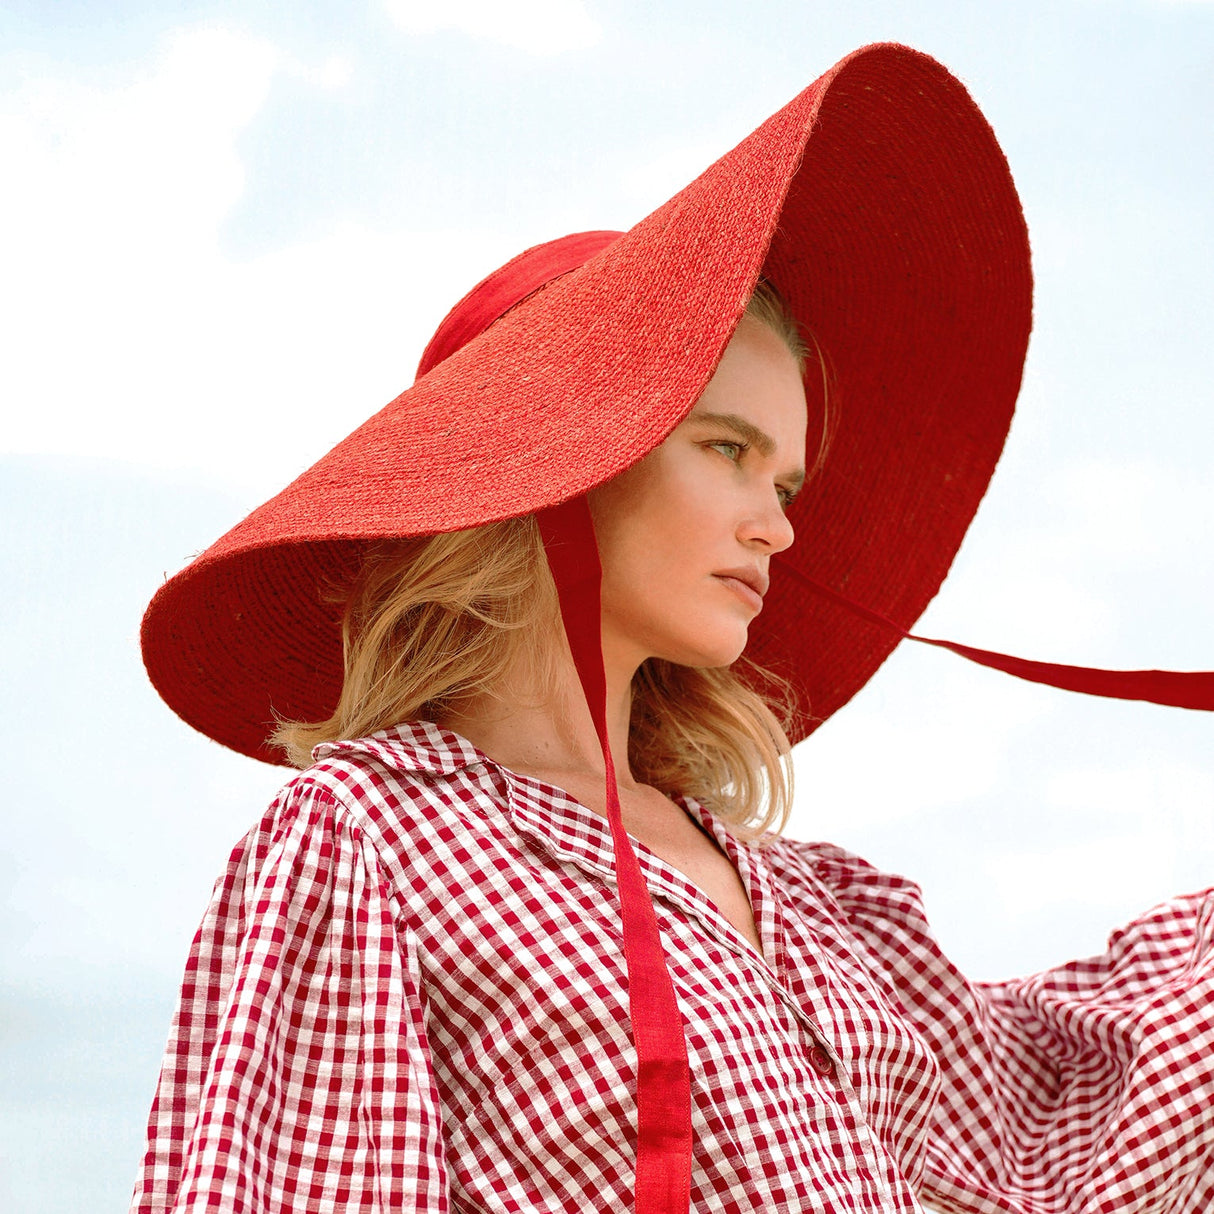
x=228, y=230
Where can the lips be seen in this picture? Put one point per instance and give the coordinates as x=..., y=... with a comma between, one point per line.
x=748, y=584
x=749, y=576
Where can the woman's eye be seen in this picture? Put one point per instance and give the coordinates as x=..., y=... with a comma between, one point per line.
x=733, y=451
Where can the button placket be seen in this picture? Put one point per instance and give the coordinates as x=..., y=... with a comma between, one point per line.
x=822, y=1062
x=821, y=1056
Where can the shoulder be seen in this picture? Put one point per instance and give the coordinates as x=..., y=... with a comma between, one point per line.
x=413, y=779
x=813, y=865
x=418, y=803
x=407, y=812
x=391, y=790
x=810, y=874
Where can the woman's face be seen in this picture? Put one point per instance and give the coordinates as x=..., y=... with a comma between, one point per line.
x=687, y=534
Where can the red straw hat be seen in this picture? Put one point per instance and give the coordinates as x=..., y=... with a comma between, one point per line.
x=879, y=205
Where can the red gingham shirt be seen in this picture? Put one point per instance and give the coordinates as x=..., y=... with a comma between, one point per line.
x=408, y=995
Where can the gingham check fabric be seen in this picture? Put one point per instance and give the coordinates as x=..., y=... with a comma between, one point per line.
x=408, y=995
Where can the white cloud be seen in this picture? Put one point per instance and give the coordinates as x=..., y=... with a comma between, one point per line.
x=1144, y=819
x=1065, y=562
x=1085, y=873
x=543, y=27
x=911, y=742
x=1155, y=793
x=668, y=170
x=102, y=167
x=107, y=238
x=132, y=334
x=1129, y=512
x=331, y=74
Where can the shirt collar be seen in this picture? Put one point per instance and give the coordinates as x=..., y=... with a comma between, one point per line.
x=416, y=746
x=552, y=818
x=426, y=749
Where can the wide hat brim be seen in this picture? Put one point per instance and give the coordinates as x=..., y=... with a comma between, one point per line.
x=881, y=207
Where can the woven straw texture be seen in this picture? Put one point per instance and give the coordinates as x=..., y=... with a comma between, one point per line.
x=881, y=207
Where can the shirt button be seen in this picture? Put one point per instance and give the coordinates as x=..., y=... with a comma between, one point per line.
x=821, y=1061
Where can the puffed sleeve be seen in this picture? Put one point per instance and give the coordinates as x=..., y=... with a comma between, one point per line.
x=297, y=1075
x=1086, y=1089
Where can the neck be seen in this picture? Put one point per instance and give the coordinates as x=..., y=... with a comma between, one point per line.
x=550, y=735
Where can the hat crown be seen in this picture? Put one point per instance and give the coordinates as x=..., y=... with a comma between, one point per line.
x=878, y=204
x=507, y=287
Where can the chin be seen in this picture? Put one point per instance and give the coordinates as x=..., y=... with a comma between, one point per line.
x=693, y=637
x=721, y=650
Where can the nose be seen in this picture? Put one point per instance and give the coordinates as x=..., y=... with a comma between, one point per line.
x=767, y=527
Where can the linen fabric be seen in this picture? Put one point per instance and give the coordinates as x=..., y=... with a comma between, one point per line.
x=408, y=994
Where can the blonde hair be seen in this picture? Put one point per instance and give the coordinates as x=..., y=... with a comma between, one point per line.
x=767, y=306
x=432, y=623
x=429, y=624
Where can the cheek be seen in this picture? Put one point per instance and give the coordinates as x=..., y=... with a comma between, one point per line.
x=649, y=514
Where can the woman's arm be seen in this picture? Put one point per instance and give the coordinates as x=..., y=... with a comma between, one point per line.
x=297, y=1074
x=1086, y=1089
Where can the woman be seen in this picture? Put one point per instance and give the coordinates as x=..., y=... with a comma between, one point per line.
x=519, y=937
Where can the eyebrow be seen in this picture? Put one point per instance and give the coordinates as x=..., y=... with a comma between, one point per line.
x=760, y=440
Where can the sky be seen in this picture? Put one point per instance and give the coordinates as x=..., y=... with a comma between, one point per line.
x=226, y=233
